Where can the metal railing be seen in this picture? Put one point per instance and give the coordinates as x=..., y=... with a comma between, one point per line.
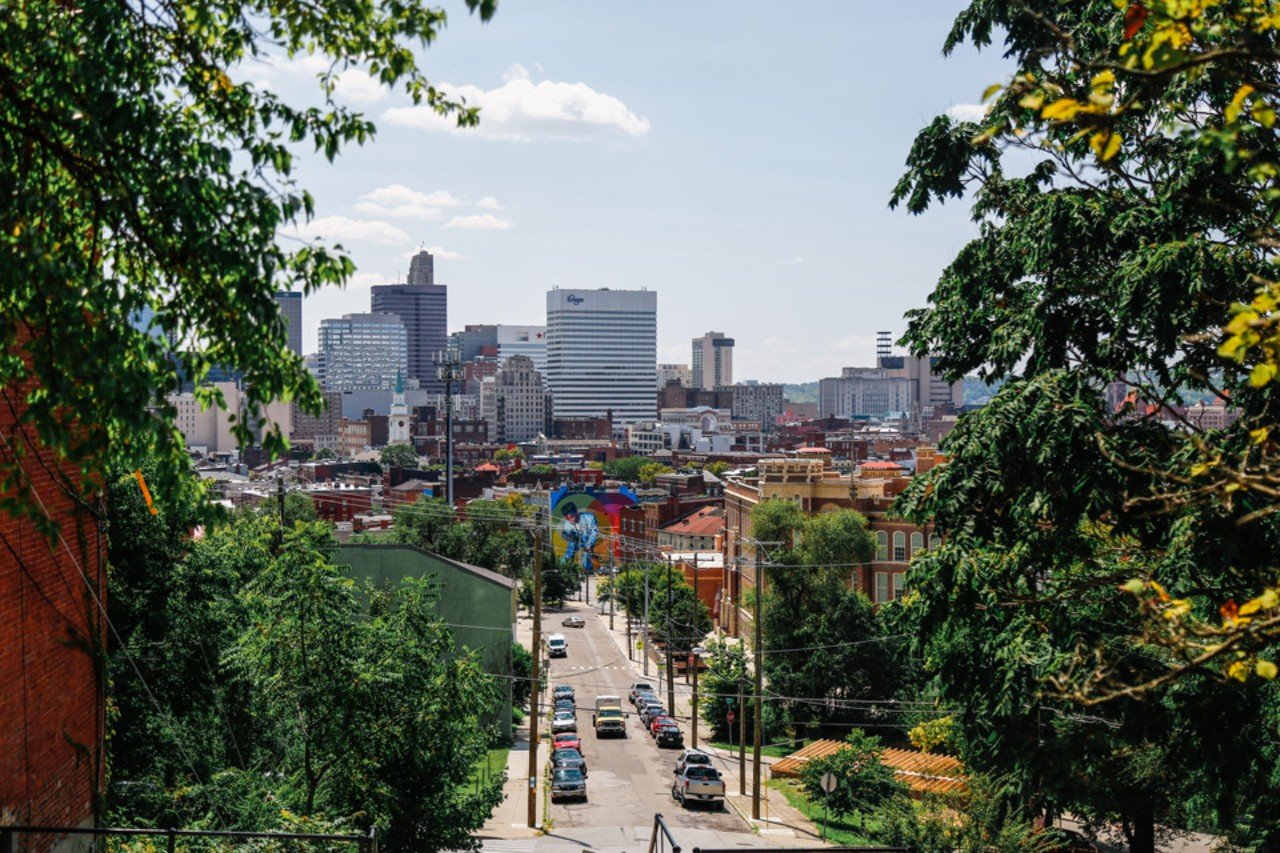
x=662, y=841
x=11, y=836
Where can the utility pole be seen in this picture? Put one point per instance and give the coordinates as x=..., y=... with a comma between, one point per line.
x=759, y=703
x=693, y=655
x=742, y=741
x=535, y=704
x=280, y=503
x=671, y=639
x=613, y=597
x=644, y=655
x=450, y=370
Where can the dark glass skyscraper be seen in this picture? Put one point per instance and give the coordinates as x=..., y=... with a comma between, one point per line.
x=422, y=305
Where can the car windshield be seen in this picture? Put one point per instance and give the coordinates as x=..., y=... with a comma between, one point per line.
x=697, y=758
x=568, y=774
x=708, y=773
x=564, y=715
x=566, y=755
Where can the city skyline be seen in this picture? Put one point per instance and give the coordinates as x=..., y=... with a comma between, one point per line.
x=739, y=166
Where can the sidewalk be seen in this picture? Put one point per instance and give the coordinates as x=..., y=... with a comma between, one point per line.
x=780, y=821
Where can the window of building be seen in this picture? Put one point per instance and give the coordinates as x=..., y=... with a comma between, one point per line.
x=882, y=545
x=899, y=546
x=882, y=586
x=934, y=541
x=917, y=543
x=899, y=581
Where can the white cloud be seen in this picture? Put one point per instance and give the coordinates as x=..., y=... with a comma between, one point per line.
x=343, y=229
x=967, y=112
x=399, y=201
x=352, y=84
x=521, y=109
x=439, y=252
x=480, y=222
x=489, y=203
x=796, y=260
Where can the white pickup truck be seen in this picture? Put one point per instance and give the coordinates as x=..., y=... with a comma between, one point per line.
x=698, y=783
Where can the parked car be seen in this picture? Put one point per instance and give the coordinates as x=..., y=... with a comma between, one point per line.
x=563, y=691
x=640, y=687
x=669, y=735
x=568, y=784
x=566, y=740
x=660, y=720
x=692, y=758
x=569, y=758
x=564, y=705
x=698, y=784
x=564, y=721
x=557, y=646
x=573, y=622
x=648, y=712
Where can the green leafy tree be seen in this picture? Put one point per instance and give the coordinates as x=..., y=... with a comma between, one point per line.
x=716, y=468
x=1140, y=210
x=625, y=468
x=720, y=685
x=509, y=454
x=676, y=616
x=148, y=183
x=324, y=454
x=776, y=520
x=650, y=471
x=399, y=456
x=863, y=782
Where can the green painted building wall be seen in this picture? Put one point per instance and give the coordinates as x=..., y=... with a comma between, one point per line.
x=478, y=605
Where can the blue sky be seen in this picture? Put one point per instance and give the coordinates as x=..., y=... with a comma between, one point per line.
x=735, y=157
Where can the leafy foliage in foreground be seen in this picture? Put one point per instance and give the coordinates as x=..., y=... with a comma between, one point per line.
x=1142, y=206
x=264, y=690
x=145, y=189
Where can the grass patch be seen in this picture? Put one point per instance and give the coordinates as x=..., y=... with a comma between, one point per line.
x=843, y=831
x=491, y=766
x=773, y=750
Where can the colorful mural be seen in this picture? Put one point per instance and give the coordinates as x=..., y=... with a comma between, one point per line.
x=585, y=523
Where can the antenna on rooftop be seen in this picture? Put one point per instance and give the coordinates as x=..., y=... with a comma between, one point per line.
x=884, y=344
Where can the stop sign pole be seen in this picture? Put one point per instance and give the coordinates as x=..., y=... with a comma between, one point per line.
x=828, y=785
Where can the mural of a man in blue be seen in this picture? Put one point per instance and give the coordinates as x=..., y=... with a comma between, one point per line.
x=581, y=532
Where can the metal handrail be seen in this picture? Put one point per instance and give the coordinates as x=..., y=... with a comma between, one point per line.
x=367, y=843
x=660, y=825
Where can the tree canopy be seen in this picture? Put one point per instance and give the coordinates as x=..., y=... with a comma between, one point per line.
x=1096, y=545
x=146, y=184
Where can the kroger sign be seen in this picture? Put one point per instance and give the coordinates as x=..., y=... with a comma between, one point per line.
x=574, y=300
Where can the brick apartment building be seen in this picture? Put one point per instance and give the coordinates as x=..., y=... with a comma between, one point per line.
x=52, y=630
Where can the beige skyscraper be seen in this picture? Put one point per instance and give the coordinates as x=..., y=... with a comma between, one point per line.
x=712, y=361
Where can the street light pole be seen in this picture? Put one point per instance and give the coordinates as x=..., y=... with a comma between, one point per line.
x=759, y=655
x=671, y=670
x=535, y=705
x=693, y=655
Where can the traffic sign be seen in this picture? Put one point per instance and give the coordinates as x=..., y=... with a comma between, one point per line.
x=828, y=782
x=639, y=644
x=730, y=717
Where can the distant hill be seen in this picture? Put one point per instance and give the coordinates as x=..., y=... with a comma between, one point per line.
x=978, y=393
x=804, y=392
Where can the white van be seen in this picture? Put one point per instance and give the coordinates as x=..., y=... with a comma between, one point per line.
x=557, y=646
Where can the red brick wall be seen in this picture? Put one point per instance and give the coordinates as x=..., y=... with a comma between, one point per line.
x=51, y=694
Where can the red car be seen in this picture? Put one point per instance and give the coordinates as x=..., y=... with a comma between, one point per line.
x=566, y=740
x=659, y=721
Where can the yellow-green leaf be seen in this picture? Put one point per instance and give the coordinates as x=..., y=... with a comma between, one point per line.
x=1265, y=669
x=1237, y=103
x=1262, y=374
x=991, y=90
x=1063, y=109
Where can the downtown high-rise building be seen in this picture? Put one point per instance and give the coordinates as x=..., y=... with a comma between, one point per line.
x=514, y=402
x=530, y=341
x=291, y=309
x=712, y=361
x=602, y=353
x=423, y=308
x=362, y=352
